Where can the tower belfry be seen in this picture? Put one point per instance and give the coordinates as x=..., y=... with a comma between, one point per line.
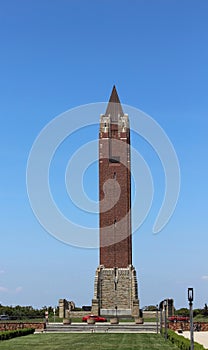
x=115, y=290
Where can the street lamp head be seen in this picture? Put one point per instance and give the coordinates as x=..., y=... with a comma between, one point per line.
x=190, y=294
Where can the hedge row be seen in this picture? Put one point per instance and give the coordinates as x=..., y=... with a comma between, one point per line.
x=181, y=342
x=17, y=333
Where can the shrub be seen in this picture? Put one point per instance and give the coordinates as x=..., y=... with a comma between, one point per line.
x=17, y=333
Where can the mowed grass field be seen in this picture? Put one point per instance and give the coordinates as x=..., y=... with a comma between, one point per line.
x=76, y=341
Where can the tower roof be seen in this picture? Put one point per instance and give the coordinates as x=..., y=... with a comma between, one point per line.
x=114, y=108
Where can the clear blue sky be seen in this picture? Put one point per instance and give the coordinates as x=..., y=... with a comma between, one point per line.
x=59, y=54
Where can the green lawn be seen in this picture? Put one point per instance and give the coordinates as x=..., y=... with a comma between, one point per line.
x=87, y=342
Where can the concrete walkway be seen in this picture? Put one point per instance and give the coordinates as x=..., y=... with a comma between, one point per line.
x=199, y=337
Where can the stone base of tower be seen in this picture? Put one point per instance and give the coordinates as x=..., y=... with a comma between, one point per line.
x=115, y=292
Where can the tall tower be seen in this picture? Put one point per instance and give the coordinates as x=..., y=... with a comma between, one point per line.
x=115, y=289
x=115, y=186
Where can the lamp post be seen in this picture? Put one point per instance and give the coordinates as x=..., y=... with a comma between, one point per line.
x=157, y=317
x=115, y=286
x=161, y=318
x=190, y=299
x=165, y=307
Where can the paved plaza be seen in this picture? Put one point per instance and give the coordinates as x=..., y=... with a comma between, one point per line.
x=199, y=337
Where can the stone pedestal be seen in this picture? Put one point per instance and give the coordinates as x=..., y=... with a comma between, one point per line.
x=114, y=320
x=115, y=292
x=91, y=321
x=66, y=321
x=139, y=320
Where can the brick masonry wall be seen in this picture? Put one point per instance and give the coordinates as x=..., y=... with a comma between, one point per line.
x=11, y=326
x=115, y=223
x=185, y=326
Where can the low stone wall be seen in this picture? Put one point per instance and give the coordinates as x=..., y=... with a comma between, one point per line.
x=79, y=313
x=185, y=326
x=150, y=314
x=11, y=326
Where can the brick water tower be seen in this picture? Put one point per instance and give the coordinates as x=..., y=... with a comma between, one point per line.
x=115, y=287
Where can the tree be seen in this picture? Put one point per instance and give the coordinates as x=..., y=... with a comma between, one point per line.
x=205, y=310
x=182, y=312
x=197, y=312
x=150, y=308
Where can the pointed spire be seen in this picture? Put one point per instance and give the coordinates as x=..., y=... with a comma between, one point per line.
x=114, y=108
x=114, y=96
